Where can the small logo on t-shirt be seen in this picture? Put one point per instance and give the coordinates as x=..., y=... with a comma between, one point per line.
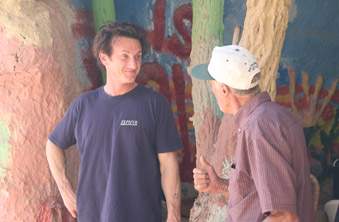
x=129, y=123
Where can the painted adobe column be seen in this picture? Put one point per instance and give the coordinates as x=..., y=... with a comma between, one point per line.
x=264, y=34
x=207, y=33
x=38, y=81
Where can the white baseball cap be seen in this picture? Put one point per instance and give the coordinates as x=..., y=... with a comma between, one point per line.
x=232, y=65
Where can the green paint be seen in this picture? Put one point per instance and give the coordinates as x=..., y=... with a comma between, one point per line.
x=207, y=32
x=328, y=137
x=4, y=146
x=103, y=11
x=209, y=14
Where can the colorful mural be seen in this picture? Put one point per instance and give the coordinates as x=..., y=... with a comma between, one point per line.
x=310, y=62
x=308, y=73
x=83, y=31
x=164, y=69
x=315, y=106
x=169, y=24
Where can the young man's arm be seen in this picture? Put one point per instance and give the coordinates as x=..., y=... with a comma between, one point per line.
x=206, y=180
x=170, y=182
x=56, y=161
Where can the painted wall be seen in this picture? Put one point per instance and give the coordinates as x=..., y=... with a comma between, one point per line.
x=45, y=62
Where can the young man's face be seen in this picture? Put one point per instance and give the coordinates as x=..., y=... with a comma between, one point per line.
x=125, y=62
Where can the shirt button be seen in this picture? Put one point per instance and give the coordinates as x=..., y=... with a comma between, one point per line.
x=239, y=130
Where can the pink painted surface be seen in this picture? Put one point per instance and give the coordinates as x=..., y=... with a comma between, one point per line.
x=32, y=94
x=218, y=149
x=38, y=83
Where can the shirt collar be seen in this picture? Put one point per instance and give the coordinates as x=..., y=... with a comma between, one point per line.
x=249, y=106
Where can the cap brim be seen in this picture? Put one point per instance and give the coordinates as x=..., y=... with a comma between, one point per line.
x=201, y=72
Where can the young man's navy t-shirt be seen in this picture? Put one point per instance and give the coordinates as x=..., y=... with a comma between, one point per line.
x=118, y=139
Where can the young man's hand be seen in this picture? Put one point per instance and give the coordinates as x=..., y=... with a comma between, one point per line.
x=69, y=197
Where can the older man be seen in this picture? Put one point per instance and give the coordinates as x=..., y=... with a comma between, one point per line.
x=270, y=178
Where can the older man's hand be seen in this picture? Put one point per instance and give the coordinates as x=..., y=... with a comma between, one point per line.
x=207, y=180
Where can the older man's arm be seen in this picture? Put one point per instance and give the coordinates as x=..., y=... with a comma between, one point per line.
x=207, y=180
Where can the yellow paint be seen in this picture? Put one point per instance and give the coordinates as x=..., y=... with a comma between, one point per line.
x=188, y=88
x=311, y=117
x=305, y=85
x=171, y=84
x=189, y=109
x=174, y=108
x=326, y=126
x=27, y=20
x=153, y=84
x=283, y=99
x=190, y=125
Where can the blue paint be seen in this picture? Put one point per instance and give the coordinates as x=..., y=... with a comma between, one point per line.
x=82, y=74
x=87, y=4
x=312, y=41
x=138, y=12
x=132, y=11
x=171, y=6
x=234, y=15
x=283, y=79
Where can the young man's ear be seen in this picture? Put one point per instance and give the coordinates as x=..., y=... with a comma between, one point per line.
x=103, y=57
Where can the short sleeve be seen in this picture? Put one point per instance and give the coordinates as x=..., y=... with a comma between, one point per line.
x=63, y=134
x=167, y=136
x=273, y=176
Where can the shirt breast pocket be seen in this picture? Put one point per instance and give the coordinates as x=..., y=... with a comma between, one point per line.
x=239, y=185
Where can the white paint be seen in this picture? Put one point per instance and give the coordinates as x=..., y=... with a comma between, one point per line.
x=28, y=21
x=67, y=10
x=286, y=62
x=217, y=213
x=293, y=12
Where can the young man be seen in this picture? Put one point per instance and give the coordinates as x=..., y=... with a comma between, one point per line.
x=126, y=137
x=270, y=178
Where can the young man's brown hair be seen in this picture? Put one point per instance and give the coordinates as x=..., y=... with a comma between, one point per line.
x=109, y=32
